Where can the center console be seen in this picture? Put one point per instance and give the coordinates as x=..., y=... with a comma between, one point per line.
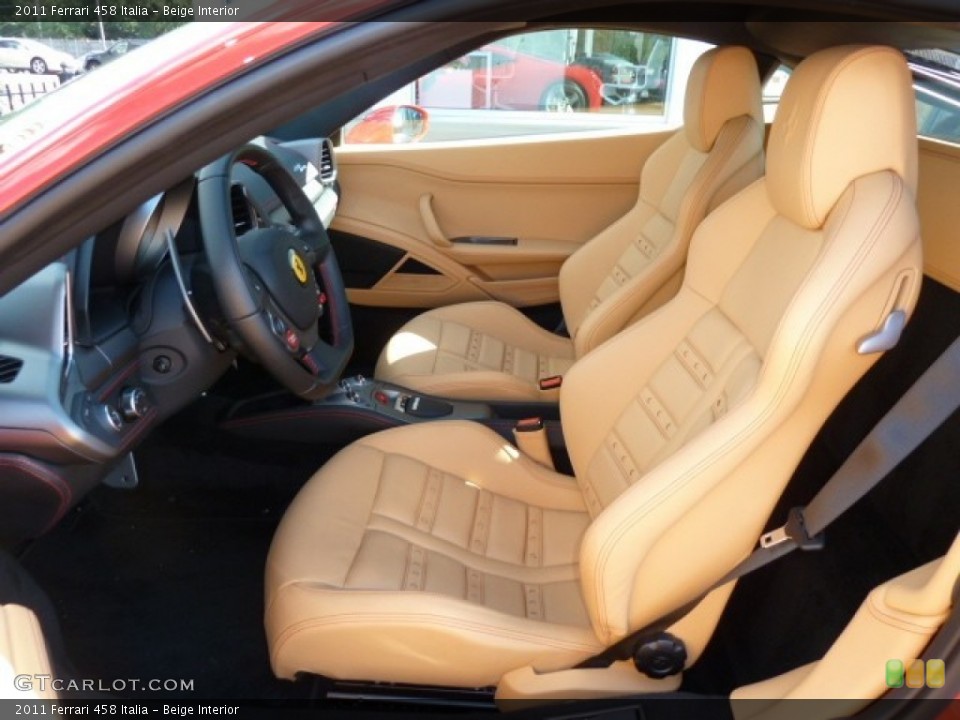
x=360, y=406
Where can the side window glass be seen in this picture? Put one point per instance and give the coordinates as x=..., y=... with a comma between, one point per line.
x=551, y=81
x=936, y=84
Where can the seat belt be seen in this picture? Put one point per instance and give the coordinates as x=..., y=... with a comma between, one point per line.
x=917, y=414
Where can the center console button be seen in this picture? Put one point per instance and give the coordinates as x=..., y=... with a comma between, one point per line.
x=381, y=397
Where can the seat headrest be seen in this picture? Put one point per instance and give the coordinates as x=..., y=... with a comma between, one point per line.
x=723, y=84
x=846, y=112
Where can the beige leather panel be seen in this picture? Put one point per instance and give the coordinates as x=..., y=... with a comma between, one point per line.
x=469, y=546
x=521, y=293
x=520, y=688
x=723, y=84
x=939, y=210
x=896, y=621
x=451, y=287
x=830, y=129
x=553, y=193
x=22, y=651
x=476, y=350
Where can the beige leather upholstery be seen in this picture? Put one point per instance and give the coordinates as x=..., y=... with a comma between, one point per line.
x=483, y=350
x=437, y=554
x=466, y=350
x=22, y=651
x=448, y=542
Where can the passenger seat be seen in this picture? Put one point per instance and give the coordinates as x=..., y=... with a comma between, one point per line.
x=489, y=350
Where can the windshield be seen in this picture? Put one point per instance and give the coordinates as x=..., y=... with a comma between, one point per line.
x=78, y=69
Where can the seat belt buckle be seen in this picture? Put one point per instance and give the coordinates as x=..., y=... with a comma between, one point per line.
x=794, y=530
x=531, y=424
x=551, y=383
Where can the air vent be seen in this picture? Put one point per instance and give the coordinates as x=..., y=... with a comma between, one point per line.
x=9, y=368
x=242, y=220
x=328, y=166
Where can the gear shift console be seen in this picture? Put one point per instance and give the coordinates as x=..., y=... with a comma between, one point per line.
x=424, y=407
x=401, y=404
x=359, y=406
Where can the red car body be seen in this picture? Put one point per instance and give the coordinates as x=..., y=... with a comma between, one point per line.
x=496, y=77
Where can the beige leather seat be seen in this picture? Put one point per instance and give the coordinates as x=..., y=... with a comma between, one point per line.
x=437, y=554
x=23, y=652
x=488, y=350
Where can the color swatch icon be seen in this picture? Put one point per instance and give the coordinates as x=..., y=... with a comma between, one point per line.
x=916, y=673
x=936, y=673
x=895, y=673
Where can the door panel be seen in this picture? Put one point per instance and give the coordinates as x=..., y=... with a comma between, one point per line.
x=939, y=210
x=550, y=194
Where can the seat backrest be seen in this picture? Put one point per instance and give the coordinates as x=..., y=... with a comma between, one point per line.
x=636, y=264
x=685, y=428
x=23, y=652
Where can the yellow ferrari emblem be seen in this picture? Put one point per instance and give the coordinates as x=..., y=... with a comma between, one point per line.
x=298, y=266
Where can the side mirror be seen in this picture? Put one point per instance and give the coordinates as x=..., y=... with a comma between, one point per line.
x=391, y=124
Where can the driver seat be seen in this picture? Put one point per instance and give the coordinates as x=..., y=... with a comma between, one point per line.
x=438, y=554
x=490, y=350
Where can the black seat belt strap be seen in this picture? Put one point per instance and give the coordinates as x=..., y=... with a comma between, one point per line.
x=917, y=414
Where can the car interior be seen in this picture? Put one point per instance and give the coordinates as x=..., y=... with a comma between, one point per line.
x=429, y=427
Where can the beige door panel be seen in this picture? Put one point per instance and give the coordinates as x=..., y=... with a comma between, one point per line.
x=452, y=285
x=552, y=194
x=939, y=210
x=895, y=622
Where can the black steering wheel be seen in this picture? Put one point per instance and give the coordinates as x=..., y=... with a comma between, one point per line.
x=274, y=283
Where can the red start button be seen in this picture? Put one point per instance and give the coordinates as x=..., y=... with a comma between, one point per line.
x=292, y=340
x=381, y=397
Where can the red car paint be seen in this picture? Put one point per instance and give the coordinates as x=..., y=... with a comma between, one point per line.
x=108, y=108
x=499, y=78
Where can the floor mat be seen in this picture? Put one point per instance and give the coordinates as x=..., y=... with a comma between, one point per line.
x=908, y=520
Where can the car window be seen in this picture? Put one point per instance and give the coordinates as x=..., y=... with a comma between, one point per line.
x=551, y=81
x=936, y=81
x=936, y=84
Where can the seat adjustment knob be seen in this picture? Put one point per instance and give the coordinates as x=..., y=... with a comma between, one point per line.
x=661, y=656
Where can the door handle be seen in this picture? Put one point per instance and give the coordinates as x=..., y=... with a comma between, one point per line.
x=430, y=222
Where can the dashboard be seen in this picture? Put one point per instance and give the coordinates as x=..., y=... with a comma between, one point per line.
x=101, y=346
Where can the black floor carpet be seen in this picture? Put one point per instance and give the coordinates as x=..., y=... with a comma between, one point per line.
x=789, y=613
x=166, y=581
